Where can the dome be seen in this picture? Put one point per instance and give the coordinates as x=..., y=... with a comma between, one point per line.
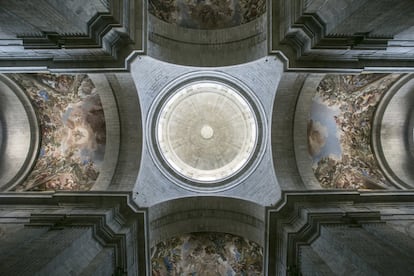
x=206, y=131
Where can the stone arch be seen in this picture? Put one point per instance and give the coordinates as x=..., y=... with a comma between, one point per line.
x=392, y=133
x=19, y=134
x=211, y=47
x=206, y=214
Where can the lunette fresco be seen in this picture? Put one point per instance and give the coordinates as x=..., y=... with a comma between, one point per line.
x=339, y=130
x=207, y=14
x=73, y=132
x=207, y=254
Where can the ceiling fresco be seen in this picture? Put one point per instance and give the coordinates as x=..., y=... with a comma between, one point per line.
x=207, y=254
x=73, y=133
x=339, y=130
x=207, y=14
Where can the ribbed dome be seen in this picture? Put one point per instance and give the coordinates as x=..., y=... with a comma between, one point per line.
x=206, y=131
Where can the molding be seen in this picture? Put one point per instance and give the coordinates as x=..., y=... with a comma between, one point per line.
x=98, y=26
x=110, y=39
x=302, y=37
x=296, y=220
x=102, y=232
x=116, y=221
x=356, y=41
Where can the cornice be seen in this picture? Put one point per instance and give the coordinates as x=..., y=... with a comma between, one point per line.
x=303, y=39
x=116, y=221
x=297, y=219
x=110, y=39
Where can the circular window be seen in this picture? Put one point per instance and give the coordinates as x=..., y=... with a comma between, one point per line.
x=206, y=132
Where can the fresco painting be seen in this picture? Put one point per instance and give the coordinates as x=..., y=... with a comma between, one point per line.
x=207, y=254
x=207, y=14
x=73, y=133
x=339, y=130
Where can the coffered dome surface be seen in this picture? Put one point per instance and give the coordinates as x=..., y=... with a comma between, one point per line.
x=206, y=131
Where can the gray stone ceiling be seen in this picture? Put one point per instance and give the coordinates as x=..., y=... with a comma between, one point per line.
x=340, y=34
x=301, y=63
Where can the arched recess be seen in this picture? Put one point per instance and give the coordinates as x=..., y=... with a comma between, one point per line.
x=112, y=123
x=206, y=214
x=302, y=113
x=69, y=132
x=392, y=133
x=123, y=148
x=19, y=134
x=124, y=129
x=207, y=47
x=334, y=118
x=282, y=131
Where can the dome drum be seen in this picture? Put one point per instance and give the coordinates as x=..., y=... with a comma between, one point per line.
x=206, y=132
